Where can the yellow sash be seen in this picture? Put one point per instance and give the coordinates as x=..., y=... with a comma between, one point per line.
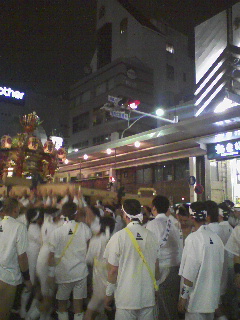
x=68, y=244
x=138, y=249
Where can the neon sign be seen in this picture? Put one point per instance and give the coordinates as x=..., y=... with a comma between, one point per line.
x=10, y=93
x=223, y=150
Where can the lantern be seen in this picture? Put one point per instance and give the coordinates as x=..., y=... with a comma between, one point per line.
x=48, y=147
x=33, y=143
x=6, y=142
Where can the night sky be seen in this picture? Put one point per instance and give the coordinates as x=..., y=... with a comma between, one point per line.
x=46, y=44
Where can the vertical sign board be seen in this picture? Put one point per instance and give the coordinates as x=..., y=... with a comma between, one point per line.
x=224, y=150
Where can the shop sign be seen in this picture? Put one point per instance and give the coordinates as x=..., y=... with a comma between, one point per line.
x=8, y=94
x=224, y=150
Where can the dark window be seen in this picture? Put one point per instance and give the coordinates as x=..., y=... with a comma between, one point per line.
x=80, y=122
x=123, y=26
x=158, y=173
x=167, y=172
x=184, y=77
x=102, y=11
x=170, y=72
x=181, y=169
x=80, y=145
x=101, y=139
x=144, y=176
x=98, y=116
x=104, y=45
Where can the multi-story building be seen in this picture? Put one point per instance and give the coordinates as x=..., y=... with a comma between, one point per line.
x=15, y=102
x=134, y=58
x=204, y=146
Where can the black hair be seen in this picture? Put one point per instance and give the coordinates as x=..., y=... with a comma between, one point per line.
x=182, y=211
x=95, y=211
x=226, y=210
x=198, y=208
x=212, y=210
x=107, y=222
x=33, y=212
x=69, y=210
x=161, y=203
x=132, y=207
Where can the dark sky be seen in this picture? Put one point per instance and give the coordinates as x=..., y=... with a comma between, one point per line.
x=46, y=44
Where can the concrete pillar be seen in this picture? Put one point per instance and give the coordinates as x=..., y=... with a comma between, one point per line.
x=192, y=172
x=208, y=188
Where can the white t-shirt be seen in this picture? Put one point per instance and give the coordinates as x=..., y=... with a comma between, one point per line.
x=169, y=254
x=233, y=244
x=94, y=257
x=202, y=264
x=135, y=288
x=72, y=266
x=13, y=242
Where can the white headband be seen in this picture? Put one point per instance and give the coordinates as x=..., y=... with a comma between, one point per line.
x=138, y=216
x=36, y=217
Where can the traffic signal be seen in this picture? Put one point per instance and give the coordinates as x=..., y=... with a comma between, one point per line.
x=133, y=104
x=124, y=103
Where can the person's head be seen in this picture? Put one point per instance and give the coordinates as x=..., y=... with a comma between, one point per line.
x=224, y=211
x=183, y=217
x=212, y=211
x=35, y=215
x=131, y=210
x=69, y=210
x=107, y=222
x=11, y=207
x=160, y=204
x=198, y=212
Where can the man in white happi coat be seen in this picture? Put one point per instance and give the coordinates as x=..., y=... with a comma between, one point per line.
x=170, y=247
x=201, y=268
x=13, y=258
x=131, y=281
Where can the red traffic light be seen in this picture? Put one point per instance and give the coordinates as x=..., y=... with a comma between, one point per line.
x=133, y=104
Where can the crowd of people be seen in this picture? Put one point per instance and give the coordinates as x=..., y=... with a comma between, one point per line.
x=62, y=258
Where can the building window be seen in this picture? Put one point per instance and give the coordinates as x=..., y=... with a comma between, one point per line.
x=98, y=116
x=78, y=101
x=111, y=84
x=170, y=72
x=163, y=172
x=80, y=145
x=101, y=88
x=101, y=139
x=184, y=77
x=170, y=48
x=104, y=45
x=144, y=176
x=158, y=174
x=86, y=96
x=102, y=12
x=80, y=122
x=123, y=26
x=181, y=169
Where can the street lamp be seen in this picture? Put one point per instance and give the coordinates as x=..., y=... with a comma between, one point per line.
x=159, y=112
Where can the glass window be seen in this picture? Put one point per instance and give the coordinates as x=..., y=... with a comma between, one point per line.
x=144, y=176
x=214, y=173
x=181, y=169
x=170, y=48
x=123, y=26
x=184, y=77
x=101, y=88
x=111, y=84
x=98, y=116
x=102, y=11
x=167, y=172
x=158, y=173
x=80, y=145
x=101, y=139
x=170, y=72
x=86, y=96
x=80, y=122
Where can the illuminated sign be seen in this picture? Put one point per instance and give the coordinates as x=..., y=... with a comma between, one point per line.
x=58, y=141
x=223, y=150
x=8, y=92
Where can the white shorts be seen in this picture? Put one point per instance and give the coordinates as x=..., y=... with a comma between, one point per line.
x=140, y=314
x=79, y=289
x=199, y=316
x=96, y=303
